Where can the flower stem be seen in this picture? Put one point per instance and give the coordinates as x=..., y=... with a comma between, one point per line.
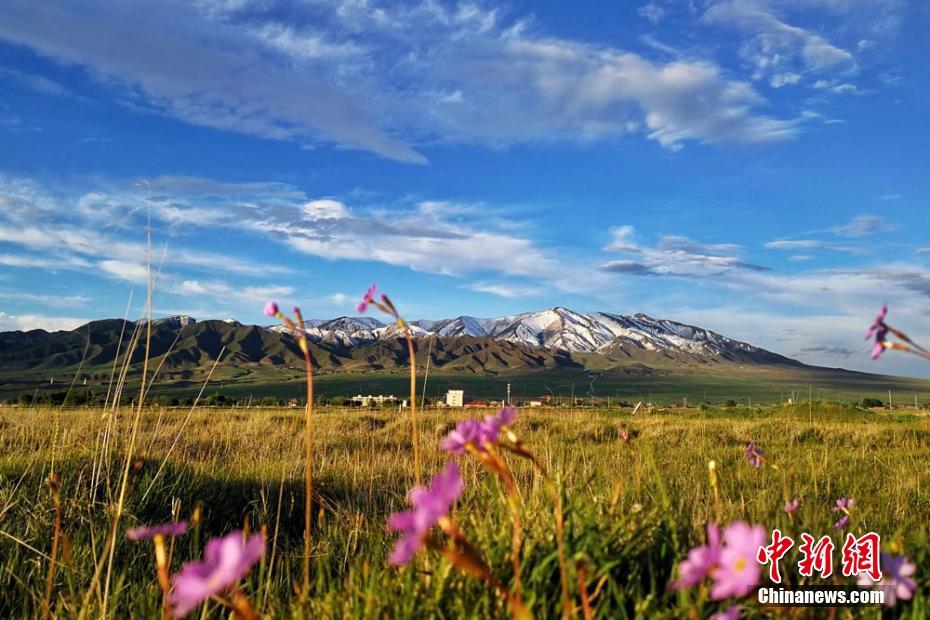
x=308, y=465
x=514, y=445
x=53, y=482
x=413, y=407
x=463, y=556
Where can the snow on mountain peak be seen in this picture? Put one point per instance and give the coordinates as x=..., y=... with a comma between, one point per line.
x=555, y=328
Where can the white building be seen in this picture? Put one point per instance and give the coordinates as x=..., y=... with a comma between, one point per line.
x=455, y=398
x=368, y=401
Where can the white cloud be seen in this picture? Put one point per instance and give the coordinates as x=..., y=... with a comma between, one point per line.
x=622, y=239
x=26, y=322
x=775, y=48
x=325, y=209
x=784, y=79
x=431, y=236
x=338, y=299
x=195, y=67
x=46, y=300
x=505, y=290
x=96, y=230
x=652, y=11
x=221, y=292
x=136, y=273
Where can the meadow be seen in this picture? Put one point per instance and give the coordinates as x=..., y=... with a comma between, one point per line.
x=635, y=489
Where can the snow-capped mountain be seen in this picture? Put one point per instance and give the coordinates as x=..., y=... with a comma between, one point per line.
x=555, y=328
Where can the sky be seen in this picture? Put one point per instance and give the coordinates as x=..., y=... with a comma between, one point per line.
x=755, y=167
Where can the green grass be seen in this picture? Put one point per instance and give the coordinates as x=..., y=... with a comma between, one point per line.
x=757, y=385
x=632, y=510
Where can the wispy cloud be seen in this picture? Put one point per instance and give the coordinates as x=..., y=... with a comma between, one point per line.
x=811, y=244
x=37, y=83
x=864, y=225
x=63, y=301
x=388, y=78
x=431, y=236
x=674, y=255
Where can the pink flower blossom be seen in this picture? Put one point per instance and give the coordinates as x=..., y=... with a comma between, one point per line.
x=225, y=561
x=738, y=571
x=165, y=529
x=367, y=298
x=730, y=614
x=897, y=578
x=271, y=309
x=699, y=561
x=731, y=565
x=429, y=505
x=792, y=506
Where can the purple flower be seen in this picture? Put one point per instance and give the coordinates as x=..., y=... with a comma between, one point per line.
x=225, y=561
x=165, y=529
x=879, y=331
x=367, y=298
x=878, y=325
x=465, y=432
x=738, y=571
x=731, y=614
x=271, y=309
x=843, y=505
x=792, y=506
x=754, y=455
x=478, y=434
x=897, y=578
x=492, y=425
x=700, y=560
x=879, y=346
x=429, y=505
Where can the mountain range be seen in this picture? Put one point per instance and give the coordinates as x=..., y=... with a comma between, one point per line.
x=552, y=338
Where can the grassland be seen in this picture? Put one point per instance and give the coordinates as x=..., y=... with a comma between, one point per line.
x=633, y=509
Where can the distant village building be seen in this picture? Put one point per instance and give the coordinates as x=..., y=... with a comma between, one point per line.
x=368, y=401
x=455, y=398
x=535, y=403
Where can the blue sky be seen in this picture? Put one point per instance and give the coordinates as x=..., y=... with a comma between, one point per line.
x=757, y=167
